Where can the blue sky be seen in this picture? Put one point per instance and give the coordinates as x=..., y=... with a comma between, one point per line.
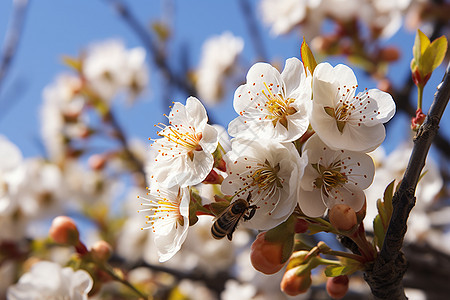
x=56, y=28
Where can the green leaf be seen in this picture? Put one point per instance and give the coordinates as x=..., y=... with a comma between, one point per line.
x=333, y=271
x=421, y=43
x=436, y=51
x=309, y=62
x=388, y=195
x=379, y=231
x=73, y=63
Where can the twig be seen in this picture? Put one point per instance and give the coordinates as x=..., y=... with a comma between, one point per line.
x=12, y=38
x=385, y=277
x=254, y=32
x=158, y=56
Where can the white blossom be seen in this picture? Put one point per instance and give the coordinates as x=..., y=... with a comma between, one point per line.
x=184, y=153
x=344, y=120
x=169, y=218
x=284, y=15
x=10, y=175
x=219, y=55
x=267, y=170
x=47, y=280
x=108, y=67
x=273, y=105
x=332, y=177
x=61, y=114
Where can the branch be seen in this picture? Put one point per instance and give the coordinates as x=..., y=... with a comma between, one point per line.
x=12, y=38
x=386, y=274
x=254, y=32
x=158, y=56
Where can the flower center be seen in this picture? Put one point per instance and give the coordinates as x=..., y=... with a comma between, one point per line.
x=329, y=177
x=277, y=107
x=163, y=209
x=343, y=109
x=178, y=137
x=267, y=176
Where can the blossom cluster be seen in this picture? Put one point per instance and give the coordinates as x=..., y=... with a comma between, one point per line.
x=300, y=141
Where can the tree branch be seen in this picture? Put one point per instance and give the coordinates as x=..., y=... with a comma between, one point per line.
x=12, y=38
x=386, y=274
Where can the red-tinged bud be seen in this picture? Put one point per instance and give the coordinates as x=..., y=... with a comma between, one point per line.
x=389, y=54
x=342, y=217
x=301, y=226
x=97, y=162
x=266, y=256
x=385, y=85
x=101, y=251
x=418, y=120
x=293, y=285
x=64, y=231
x=337, y=287
x=213, y=178
x=221, y=165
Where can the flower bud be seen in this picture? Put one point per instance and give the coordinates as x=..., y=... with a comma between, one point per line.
x=97, y=161
x=337, y=287
x=266, y=256
x=293, y=284
x=301, y=226
x=64, y=231
x=389, y=54
x=342, y=217
x=101, y=251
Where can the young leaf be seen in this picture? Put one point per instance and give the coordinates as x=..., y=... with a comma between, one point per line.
x=309, y=62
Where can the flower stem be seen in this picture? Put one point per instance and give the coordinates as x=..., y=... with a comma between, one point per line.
x=115, y=276
x=347, y=255
x=419, y=96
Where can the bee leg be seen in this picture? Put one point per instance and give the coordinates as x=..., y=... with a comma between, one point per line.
x=251, y=213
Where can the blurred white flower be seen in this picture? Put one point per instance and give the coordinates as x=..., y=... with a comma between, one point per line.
x=343, y=120
x=47, y=280
x=169, y=218
x=195, y=290
x=282, y=16
x=235, y=290
x=109, y=67
x=10, y=175
x=184, y=153
x=41, y=190
x=219, y=55
x=269, y=171
x=332, y=177
x=273, y=105
x=61, y=114
x=384, y=16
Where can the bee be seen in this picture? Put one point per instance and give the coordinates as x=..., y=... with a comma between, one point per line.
x=228, y=220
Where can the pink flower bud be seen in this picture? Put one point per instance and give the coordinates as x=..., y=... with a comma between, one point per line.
x=389, y=54
x=266, y=256
x=342, y=217
x=293, y=285
x=64, y=231
x=301, y=226
x=97, y=161
x=337, y=287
